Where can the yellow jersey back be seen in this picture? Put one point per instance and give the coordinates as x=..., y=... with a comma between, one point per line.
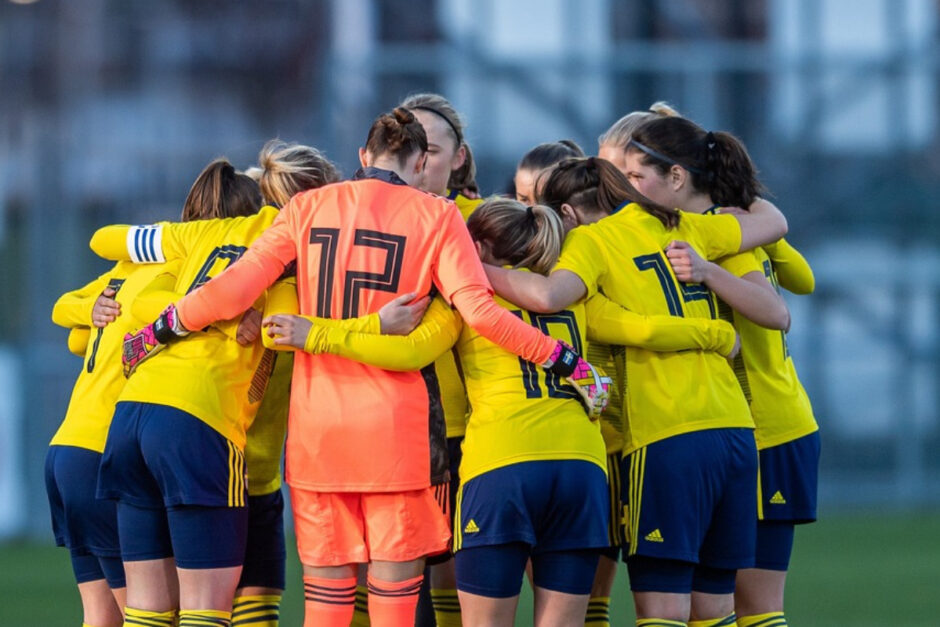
x=666, y=394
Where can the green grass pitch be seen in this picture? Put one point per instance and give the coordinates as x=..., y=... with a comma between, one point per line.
x=862, y=569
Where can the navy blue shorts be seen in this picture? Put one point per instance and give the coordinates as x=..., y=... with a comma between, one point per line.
x=87, y=567
x=653, y=574
x=547, y=505
x=789, y=475
x=691, y=498
x=774, y=545
x=87, y=526
x=79, y=520
x=195, y=536
x=496, y=571
x=160, y=456
x=265, y=555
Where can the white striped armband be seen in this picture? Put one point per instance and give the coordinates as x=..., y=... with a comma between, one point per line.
x=145, y=243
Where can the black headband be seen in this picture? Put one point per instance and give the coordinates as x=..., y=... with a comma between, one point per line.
x=452, y=126
x=661, y=156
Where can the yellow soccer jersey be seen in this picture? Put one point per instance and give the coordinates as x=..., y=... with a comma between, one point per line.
x=453, y=394
x=519, y=412
x=101, y=380
x=206, y=374
x=667, y=393
x=610, y=327
x=466, y=205
x=265, y=444
x=791, y=268
x=610, y=358
x=264, y=448
x=78, y=340
x=779, y=404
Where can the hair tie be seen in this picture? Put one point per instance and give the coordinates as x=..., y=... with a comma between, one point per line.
x=529, y=213
x=710, y=141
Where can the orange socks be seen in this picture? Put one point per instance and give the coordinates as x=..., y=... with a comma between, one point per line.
x=329, y=602
x=393, y=603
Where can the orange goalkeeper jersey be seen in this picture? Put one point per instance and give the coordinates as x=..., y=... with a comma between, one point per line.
x=357, y=245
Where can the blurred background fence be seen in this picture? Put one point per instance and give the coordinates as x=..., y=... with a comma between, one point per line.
x=110, y=108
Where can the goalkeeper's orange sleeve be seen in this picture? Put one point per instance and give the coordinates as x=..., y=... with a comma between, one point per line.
x=239, y=286
x=461, y=279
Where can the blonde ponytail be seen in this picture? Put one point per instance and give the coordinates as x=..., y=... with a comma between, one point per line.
x=524, y=237
x=290, y=168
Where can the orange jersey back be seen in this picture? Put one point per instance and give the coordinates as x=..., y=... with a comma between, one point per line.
x=362, y=428
x=358, y=244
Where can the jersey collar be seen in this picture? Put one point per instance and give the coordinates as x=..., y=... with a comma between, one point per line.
x=378, y=173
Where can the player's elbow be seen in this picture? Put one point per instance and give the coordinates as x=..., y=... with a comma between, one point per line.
x=778, y=319
x=98, y=242
x=543, y=303
x=780, y=225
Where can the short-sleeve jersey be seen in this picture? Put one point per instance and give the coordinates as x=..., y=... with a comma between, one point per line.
x=779, y=405
x=206, y=374
x=666, y=393
x=519, y=412
x=101, y=380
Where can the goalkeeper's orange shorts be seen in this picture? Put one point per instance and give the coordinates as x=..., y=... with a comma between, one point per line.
x=336, y=528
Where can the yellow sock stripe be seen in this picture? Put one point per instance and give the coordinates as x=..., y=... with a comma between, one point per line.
x=136, y=618
x=771, y=619
x=724, y=621
x=659, y=622
x=598, y=612
x=205, y=618
x=262, y=610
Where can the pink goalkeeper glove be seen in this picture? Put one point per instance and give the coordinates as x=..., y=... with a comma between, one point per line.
x=590, y=382
x=144, y=344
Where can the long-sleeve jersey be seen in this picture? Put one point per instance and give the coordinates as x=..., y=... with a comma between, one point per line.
x=101, y=380
x=358, y=244
x=666, y=393
x=208, y=375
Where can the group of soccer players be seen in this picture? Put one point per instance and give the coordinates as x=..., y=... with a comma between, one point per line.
x=435, y=429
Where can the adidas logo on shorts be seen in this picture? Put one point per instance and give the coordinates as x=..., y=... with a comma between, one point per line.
x=471, y=527
x=777, y=499
x=654, y=536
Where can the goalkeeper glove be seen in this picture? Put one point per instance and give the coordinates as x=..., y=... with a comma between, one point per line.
x=590, y=382
x=144, y=344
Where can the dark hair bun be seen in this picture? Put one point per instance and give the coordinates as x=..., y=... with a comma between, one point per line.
x=403, y=116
